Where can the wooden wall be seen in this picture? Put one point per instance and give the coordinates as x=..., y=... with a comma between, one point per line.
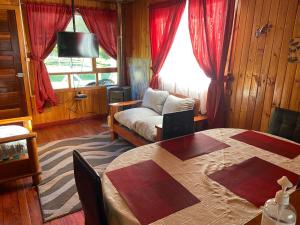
x=136, y=35
x=137, y=42
x=68, y=108
x=263, y=77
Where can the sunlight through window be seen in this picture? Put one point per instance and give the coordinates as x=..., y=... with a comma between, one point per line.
x=181, y=72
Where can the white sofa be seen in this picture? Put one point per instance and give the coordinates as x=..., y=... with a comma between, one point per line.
x=139, y=125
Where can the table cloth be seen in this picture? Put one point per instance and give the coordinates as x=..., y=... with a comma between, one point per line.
x=218, y=204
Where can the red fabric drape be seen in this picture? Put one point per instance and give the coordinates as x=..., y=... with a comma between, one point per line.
x=164, y=21
x=44, y=21
x=104, y=24
x=210, y=24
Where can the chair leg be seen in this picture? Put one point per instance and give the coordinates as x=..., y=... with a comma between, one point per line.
x=113, y=135
x=36, y=179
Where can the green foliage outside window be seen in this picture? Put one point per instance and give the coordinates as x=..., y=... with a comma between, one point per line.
x=60, y=65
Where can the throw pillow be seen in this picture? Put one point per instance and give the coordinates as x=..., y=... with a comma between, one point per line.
x=175, y=104
x=155, y=99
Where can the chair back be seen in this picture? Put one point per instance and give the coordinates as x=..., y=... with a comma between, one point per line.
x=285, y=123
x=89, y=189
x=178, y=124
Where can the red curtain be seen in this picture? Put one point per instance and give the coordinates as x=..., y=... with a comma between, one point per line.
x=210, y=25
x=104, y=24
x=43, y=23
x=164, y=21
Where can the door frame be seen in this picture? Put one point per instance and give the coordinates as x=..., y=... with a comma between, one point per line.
x=23, y=57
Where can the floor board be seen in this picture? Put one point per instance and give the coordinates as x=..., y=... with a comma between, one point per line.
x=19, y=203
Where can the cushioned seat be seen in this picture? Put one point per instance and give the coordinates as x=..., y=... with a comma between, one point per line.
x=146, y=127
x=130, y=116
x=285, y=123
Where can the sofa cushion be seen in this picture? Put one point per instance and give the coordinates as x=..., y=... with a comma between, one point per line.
x=155, y=99
x=175, y=104
x=130, y=116
x=146, y=127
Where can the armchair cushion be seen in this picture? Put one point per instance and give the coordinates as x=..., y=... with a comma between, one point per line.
x=146, y=127
x=128, y=117
x=285, y=123
x=175, y=104
x=155, y=99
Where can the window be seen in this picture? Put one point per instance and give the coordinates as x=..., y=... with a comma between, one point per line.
x=181, y=72
x=81, y=72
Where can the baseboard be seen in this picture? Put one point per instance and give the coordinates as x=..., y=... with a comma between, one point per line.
x=63, y=122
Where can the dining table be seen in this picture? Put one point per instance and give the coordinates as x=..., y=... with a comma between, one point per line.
x=217, y=176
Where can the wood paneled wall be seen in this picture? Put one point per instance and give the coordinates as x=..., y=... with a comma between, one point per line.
x=137, y=29
x=137, y=38
x=69, y=108
x=86, y=3
x=263, y=77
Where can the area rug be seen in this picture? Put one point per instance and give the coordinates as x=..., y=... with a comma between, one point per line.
x=57, y=190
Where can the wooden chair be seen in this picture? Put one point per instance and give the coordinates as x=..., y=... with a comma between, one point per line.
x=89, y=189
x=26, y=165
x=285, y=123
x=177, y=124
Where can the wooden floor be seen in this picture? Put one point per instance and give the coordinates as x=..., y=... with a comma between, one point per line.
x=19, y=203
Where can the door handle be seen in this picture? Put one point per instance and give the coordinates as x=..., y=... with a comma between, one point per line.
x=20, y=75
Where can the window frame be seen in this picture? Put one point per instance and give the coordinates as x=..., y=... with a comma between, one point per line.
x=95, y=70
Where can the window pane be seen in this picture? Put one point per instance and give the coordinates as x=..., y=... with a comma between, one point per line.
x=80, y=25
x=57, y=64
x=59, y=81
x=181, y=72
x=104, y=60
x=108, y=78
x=83, y=80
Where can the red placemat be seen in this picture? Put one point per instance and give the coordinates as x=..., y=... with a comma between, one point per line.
x=150, y=192
x=190, y=146
x=280, y=147
x=254, y=179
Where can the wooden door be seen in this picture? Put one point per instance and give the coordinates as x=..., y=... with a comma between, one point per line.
x=12, y=91
x=264, y=78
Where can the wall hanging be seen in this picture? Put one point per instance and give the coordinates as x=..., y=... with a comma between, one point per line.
x=294, y=50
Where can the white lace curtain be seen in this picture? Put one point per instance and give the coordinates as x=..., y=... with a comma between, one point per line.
x=181, y=72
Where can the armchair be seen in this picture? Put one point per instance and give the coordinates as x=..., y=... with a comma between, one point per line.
x=26, y=164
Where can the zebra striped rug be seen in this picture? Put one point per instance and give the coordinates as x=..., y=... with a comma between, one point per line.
x=57, y=191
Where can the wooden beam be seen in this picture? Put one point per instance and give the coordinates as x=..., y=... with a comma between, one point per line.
x=17, y=138
x=15, y=120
